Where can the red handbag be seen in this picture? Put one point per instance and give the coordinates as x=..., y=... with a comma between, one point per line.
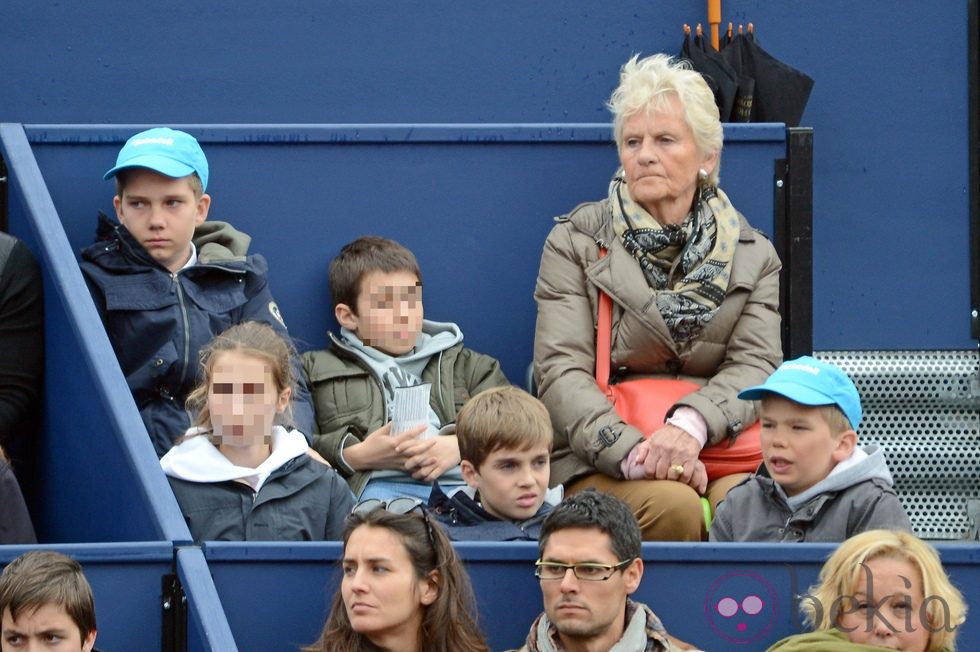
x=643, y=403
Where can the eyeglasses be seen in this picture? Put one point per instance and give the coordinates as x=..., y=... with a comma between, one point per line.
x=586, y=571
x=402, y=505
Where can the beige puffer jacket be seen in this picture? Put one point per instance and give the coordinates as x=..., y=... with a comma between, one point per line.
x=738, y=348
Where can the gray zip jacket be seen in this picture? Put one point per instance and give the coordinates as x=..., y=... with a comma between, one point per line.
x=856, y=496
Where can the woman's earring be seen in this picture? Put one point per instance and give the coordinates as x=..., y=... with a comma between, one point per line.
x=703, y=176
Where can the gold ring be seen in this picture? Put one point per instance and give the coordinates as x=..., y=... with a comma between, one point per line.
x=678, y=469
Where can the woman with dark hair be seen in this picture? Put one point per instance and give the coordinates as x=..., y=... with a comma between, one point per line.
x=403, y=587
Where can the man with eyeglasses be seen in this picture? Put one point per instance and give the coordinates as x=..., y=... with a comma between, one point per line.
x=589, y=566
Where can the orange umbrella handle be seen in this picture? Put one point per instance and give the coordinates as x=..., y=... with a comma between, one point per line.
x=714, y=19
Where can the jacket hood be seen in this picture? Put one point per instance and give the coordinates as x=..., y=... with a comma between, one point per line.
x=866, y=463
x=827, y=640
x=196, y=459
x=215, y=242
x=434, y=337
x=220, y=241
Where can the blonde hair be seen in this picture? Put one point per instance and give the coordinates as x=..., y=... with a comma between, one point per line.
x=832, y=415
x=647, y=85
x=251, y=338
x=835, y=418
x=944, y=605
x=197, y=187
x=501, y=417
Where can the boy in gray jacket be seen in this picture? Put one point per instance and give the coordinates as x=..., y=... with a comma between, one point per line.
x=815, y=484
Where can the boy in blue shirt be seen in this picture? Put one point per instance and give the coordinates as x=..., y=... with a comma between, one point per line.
x=505, y=439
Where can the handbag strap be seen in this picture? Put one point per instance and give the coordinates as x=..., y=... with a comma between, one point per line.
x=603, y=338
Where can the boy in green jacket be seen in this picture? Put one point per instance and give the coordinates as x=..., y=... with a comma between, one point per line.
x=385, y=345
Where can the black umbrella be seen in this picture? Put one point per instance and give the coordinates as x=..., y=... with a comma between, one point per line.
x=768, y=89
x=744, y=85
x=718, y=73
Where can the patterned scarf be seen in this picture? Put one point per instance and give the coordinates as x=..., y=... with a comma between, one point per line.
x=644, y=633
x=687, y=265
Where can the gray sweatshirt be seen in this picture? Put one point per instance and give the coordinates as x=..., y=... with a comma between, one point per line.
x=855, y=497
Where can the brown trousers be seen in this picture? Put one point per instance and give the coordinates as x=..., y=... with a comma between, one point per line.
x=666, y=510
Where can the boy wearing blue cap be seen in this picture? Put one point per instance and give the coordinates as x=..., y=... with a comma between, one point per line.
x=166, y=282
x=815, y=484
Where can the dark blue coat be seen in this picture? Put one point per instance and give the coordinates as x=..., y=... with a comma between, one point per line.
x=158, y=322
x=464, y=519
x=302, y=500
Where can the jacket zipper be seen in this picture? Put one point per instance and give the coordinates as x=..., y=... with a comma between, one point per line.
x=442, y=399
x=187, y=336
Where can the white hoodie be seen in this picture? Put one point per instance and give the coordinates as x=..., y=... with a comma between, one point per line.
x=196, y=459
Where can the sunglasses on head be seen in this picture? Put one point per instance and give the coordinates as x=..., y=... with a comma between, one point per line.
x=402, y=505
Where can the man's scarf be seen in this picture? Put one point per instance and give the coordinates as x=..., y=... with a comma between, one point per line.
x=644, y=633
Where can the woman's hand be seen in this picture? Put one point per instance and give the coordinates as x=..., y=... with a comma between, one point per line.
x=430, y=458
x=668, y=449
x=380, y=450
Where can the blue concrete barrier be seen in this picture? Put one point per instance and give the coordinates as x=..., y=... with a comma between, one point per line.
x=207, y=628
x=94, y=475
x=683, y=583
x=126, y=580
x=474, y=202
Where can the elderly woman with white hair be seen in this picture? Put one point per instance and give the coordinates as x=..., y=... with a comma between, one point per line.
x=695, y=296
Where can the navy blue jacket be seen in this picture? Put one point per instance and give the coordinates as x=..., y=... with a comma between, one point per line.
x=464, y=519
x=158, y=322
x=302, y=500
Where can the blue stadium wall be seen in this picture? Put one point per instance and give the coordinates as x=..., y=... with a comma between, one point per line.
x=889, y=108
x=891, y=224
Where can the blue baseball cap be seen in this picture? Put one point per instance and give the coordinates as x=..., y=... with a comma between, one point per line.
x=809, y=381
x=167, y=151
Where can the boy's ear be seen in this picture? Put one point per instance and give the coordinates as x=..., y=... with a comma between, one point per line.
x=89, y=642
x=203, y=206
x=470, y=475
x=117, y=204
x=345, y=316
x=846, y=442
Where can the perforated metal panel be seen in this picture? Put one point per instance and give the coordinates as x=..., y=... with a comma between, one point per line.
x=922, y=407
